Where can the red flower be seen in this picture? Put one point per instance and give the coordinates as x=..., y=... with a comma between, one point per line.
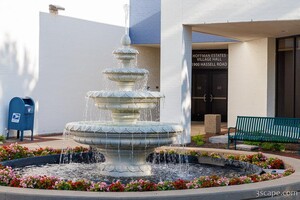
x=180, y=184
x=116, y=187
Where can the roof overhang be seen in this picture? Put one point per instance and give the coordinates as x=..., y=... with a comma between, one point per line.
x=244, y=31
x=195, y=46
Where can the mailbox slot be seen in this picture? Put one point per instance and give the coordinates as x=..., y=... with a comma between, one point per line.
x=29, y=109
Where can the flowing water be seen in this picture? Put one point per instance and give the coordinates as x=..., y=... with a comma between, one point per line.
x=160, y=172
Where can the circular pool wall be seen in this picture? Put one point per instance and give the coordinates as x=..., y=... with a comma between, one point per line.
x=289, y=183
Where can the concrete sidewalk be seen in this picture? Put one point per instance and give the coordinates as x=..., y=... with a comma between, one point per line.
x=197, y=128
x=56, y=142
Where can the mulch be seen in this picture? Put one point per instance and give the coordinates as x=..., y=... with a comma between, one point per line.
x=291, y=150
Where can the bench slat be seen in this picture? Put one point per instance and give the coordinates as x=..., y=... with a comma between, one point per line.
x=266, y=129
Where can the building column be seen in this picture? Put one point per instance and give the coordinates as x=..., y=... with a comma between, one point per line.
x=175, y=66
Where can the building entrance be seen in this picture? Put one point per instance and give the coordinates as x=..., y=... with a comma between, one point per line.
x=209, y=94
x=209, y=84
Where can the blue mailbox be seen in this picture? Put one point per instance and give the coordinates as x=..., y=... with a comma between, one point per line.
x=21, y=116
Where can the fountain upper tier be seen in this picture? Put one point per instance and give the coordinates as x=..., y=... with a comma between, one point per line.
x=125, y=54
x=125, y=77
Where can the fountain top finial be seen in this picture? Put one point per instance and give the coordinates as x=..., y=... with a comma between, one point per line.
x=125, y=40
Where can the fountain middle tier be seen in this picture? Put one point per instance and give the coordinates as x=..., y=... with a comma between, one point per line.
x=125, y=105
x=125, y=147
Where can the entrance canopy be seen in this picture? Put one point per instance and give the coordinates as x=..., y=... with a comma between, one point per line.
x=245, y=31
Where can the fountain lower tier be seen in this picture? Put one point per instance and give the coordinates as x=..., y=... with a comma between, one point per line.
x=125, y=147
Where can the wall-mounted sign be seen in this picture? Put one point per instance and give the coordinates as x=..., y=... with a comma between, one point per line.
x=210, y=59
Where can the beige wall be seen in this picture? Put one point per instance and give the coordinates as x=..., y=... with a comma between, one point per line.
x=149, y=58
x=251, y=79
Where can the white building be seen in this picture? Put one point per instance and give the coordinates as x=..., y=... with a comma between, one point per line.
x=263, y=58
x=246, y=59
x=56, y=59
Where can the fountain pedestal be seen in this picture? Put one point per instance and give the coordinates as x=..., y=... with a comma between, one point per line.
x=125, y=163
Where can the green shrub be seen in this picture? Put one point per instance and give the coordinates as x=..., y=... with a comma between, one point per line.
x=268, y=145
x=198, y=139
x=273, y=146
x=252, y=143
x=2, y=138
x=193, y=153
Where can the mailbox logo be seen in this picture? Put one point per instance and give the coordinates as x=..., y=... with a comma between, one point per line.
x=16, y=117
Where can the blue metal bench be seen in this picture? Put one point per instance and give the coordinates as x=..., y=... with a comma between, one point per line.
x=265, y=129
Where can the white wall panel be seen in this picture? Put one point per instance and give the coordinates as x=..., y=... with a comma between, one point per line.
x=73, y=53
x=176, y=49
x=251, y=79
x=62, y=45
x=220, y=11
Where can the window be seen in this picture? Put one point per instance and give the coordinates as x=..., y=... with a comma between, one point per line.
x=288, y=77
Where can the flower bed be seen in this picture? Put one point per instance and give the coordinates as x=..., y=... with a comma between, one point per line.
x=257, y=159
x=15, y=151
x=9, y=178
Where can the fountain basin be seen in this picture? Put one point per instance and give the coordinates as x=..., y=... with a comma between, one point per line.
x=167, y=167
x=248, y=191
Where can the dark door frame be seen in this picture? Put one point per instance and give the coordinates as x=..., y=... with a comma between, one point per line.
x=296, y=68
x=208, y=98
x=209, y=60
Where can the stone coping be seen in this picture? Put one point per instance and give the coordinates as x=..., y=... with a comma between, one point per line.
x=126, y=71
x=245, y=191
x=125, y=94
x=141, y=127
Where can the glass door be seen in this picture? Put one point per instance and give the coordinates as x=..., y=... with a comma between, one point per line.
x=200, y=97
x=209, y=93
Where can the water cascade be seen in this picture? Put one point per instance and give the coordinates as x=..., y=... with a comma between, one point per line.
x=125, y=141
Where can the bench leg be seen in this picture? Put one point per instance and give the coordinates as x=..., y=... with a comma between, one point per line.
x=7, y=134
x=234, y=144
x=228, y=143
x=22, y=134
x=31, y=135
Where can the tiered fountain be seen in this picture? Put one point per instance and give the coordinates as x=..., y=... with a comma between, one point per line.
x=125, y=142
